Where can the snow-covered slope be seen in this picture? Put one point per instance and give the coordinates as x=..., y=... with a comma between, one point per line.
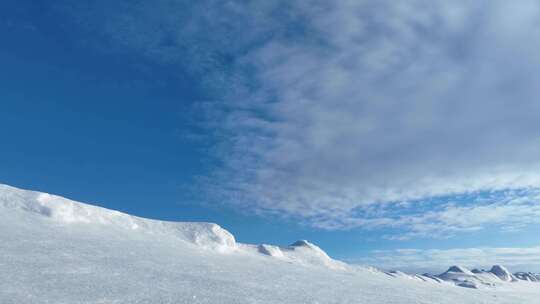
x=63, y=211
x=54, y=250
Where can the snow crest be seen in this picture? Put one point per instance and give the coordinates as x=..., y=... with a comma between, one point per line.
x=208, y=235
x=502, y=273
x=273, y=251
x=65, y=211
x=304, y=252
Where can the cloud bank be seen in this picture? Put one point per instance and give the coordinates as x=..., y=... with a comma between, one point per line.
x=366, y=114
x=384, y=102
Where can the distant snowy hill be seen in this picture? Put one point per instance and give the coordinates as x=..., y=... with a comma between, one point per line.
x=463, y=277
x=55, y=250
x=528, y=276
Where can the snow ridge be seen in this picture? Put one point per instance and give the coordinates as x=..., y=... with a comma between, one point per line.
x=528, y=276
x=65, y=211
x=502, y=273
x=476, y=279
x=205, y=235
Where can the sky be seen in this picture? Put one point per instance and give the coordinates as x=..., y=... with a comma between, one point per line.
x=398, y=134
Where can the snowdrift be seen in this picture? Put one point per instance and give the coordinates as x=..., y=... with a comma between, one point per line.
x=65, y=211
x=204, y=235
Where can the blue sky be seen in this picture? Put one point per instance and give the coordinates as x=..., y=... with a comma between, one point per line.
x=398, y=134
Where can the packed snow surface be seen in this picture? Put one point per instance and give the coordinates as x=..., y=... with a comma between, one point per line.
x=54, y=250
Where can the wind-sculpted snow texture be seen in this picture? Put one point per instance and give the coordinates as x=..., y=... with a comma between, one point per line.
x=54, y=250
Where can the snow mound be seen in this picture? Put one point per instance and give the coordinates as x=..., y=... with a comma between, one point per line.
x=498, y=275
x=461, y=276
x=459, y=269
x=270, y=250
x=66, y=212
x=502, y=273
x=304, y=252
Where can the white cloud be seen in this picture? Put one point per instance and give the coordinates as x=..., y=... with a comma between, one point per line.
x=443, y=217
x=338, y=112
x=508, y=212
x=386, y=102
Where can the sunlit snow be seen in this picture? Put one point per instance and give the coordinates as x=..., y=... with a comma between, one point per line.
x=54, y=250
